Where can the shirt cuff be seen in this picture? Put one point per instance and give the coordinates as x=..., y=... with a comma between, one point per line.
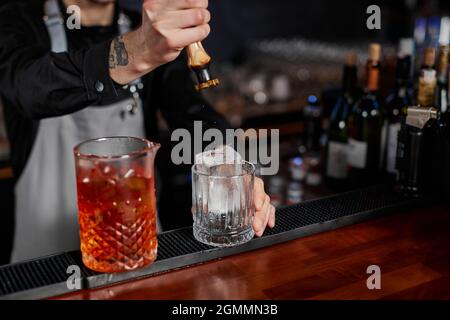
x=97, y=81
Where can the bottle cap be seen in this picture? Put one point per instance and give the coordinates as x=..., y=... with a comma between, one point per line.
x=374, y=51
x=312, y=99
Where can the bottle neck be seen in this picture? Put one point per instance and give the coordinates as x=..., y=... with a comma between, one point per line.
x=403, y=75
x=442, y=73
x=349, y=80
x=373, y=75
x=442, y=69
x=402, y=86
x=426, y=86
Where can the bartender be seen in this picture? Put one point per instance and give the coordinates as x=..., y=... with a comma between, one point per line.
x=61, y=86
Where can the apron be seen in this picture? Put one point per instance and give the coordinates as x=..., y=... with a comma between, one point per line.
x=47, y=214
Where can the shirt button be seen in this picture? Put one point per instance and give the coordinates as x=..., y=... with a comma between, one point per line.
x=99, y=86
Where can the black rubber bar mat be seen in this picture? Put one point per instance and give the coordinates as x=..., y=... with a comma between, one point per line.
x=46, y=277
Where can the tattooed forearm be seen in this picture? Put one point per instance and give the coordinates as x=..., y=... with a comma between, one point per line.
x=118, y=55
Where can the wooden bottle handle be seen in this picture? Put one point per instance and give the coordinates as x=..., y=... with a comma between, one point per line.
x=198, y=61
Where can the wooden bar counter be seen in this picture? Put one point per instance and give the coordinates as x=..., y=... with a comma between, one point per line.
x=411, y=248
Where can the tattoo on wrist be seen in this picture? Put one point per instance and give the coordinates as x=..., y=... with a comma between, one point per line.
x=118, y=55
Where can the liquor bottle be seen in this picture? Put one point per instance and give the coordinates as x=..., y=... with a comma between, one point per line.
x=427, y=79
x=436, y=135
x=297, y=169
x=336, y=164
x=312, y=114
x=396, y=105
x=365, y=125
x=441, y=98
x=314, y=174
x=276, y=185
x=294, y=193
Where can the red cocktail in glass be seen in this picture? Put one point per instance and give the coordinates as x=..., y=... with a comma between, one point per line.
x=116, y=203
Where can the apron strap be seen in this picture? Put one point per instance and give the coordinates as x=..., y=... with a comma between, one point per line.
x=124, y=23
x=54, y=22
x=55, y=26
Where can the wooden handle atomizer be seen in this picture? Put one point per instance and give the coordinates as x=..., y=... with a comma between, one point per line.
x=199, y=62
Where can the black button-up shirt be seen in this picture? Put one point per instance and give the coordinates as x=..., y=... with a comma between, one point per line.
x=36, y=83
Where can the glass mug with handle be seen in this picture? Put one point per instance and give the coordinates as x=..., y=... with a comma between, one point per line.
x=223, y=206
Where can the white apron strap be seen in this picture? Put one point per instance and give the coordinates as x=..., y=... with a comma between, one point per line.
x=55, y=26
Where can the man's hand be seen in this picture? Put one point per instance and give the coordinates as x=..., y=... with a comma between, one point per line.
x=167, y=27
x=264, y=211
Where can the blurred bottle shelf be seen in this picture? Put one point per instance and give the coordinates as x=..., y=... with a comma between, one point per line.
x=255, y=110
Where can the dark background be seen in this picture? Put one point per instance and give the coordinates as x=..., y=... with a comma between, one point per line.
x=235, y=22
